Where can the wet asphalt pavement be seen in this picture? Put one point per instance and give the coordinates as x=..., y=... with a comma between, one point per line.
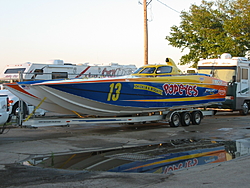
x=20, y=144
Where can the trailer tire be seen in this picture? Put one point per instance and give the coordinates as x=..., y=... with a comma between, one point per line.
x=245, y=109
x=16, y=108
x=196, y=117
x=175, y=120
x=185, y=118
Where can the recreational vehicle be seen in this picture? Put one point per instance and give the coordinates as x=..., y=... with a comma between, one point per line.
x=235, y=71
x=60, y=70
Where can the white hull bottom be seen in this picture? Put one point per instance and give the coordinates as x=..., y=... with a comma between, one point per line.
x=47, y=104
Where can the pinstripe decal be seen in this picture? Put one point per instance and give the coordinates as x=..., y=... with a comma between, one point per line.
x=16, y=87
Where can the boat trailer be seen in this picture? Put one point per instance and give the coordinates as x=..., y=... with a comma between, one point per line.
x=174, y=118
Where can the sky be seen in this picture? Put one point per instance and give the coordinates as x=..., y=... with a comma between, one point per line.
x=94, y=31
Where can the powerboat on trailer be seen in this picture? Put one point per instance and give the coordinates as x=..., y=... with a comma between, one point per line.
x=128, y=95
x=25, y=92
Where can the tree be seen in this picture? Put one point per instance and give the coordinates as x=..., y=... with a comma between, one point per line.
x=213, y=28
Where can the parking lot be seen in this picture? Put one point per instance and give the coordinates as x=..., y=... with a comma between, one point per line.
x=20, y=144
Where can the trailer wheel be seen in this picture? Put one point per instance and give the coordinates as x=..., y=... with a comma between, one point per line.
x=185, y=118
x=175, y=120
x=196, y=117
x=16, y=108
x=245, y=109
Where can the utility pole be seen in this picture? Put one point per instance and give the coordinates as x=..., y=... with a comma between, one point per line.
x=20, y=103
x=145, y=33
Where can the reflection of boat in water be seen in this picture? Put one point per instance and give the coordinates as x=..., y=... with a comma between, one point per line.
x=129, y=95
x=159, y=158
x=174, y=161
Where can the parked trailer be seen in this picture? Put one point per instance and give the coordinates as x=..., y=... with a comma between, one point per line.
x=174, y=118
x=236, y=71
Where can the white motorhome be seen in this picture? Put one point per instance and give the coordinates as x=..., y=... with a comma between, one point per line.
x=60, y=70
x=236, y=71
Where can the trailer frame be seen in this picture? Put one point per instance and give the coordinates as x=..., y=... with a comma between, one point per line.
x=175, y=118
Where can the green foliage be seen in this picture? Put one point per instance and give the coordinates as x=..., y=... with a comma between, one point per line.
x=213, y=28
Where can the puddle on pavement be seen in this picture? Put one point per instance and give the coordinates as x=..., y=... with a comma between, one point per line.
x=160, y=158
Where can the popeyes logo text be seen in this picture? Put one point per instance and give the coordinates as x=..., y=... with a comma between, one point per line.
x=187, y=164
x=186, y=90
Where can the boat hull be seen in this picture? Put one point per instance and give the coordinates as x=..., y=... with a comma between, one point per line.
x=33, y=97
x=132, y=95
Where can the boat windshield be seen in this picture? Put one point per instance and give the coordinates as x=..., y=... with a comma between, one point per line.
x=164, y=69
x=148, y=70
x=222, y=73
x=137, y=70
x=154, y=70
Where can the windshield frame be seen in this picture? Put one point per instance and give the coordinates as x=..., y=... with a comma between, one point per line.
x=225, y=73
